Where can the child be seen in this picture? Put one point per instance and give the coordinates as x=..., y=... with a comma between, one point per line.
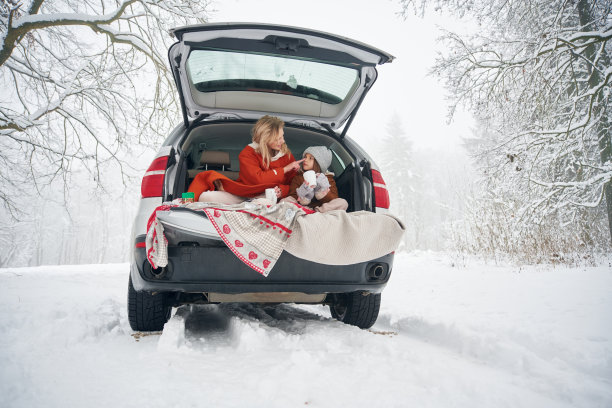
x=324, y=196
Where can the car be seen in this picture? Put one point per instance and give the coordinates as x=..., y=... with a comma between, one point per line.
x=228, y=75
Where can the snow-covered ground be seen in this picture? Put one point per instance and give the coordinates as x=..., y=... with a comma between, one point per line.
x=473, y=335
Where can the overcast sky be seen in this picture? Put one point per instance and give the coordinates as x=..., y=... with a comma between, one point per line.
x=403, y=86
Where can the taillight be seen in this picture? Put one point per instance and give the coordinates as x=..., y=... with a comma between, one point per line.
x=380, y=190
x=153, y=180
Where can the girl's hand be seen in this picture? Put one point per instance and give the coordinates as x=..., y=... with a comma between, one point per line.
x=278, y=191
x=321, y=193
x=293, y=166
x=305, y=191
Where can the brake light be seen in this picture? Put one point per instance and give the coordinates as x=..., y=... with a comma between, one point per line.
x=153, y=180
x=380, y=190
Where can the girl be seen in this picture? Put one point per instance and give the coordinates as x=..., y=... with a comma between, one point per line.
x=265, y=163
x=324, y=196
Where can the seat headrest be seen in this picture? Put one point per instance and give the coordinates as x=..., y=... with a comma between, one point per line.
x=209, y=157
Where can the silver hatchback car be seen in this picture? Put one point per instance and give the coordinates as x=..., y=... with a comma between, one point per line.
x=229, y=75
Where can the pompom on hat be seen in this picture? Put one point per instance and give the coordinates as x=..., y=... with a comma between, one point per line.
x=322, y=155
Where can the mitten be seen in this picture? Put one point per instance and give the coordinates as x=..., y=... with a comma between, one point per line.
x=305, y=194
x=322, y=187
x=322, y=182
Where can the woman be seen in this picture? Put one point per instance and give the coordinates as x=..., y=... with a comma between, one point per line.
x=265, y=163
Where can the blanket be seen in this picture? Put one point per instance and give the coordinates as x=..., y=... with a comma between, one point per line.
x=155, y=240
x=341, y=238
x=255, y=233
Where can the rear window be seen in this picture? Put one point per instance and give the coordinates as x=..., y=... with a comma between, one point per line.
x=214, y=71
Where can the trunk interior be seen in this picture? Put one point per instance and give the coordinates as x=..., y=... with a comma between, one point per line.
x=216, y=146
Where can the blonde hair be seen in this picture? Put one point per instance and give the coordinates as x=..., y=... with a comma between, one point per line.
x=266, y=129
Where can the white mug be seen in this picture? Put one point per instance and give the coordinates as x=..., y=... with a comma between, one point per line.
x=271, y=195
x=311, y=178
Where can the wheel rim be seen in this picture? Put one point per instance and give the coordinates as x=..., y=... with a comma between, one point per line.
x=340, y=310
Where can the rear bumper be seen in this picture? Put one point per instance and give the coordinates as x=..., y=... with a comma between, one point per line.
x=202, y=269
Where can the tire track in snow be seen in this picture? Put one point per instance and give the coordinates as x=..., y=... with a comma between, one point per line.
x=225, y=324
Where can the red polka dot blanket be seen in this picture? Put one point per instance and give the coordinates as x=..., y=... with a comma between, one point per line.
x=255, y=233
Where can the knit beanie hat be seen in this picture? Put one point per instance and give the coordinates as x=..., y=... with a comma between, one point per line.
x=322, y=155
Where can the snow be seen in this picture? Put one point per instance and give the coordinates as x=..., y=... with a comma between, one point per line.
x=55, y=18
x=451, y=333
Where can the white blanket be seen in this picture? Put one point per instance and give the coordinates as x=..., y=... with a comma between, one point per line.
x=341, y=238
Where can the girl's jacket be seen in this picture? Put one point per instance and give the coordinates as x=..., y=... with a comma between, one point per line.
x=299, y=179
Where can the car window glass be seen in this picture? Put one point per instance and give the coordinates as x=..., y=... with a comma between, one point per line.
x=214, y=71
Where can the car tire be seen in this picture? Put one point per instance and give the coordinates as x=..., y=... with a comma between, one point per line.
x=358, y=308
x=147, y=311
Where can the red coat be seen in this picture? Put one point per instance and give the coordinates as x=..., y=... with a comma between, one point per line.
x=253, y=179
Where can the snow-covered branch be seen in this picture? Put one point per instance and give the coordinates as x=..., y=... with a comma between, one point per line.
x=16, y=29
x=71, y=73
x=537, y=76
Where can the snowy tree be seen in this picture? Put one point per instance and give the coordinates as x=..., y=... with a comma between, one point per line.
x=491, y=224
x=425, y=186
x=397, y=165
x=537, y=73
x=72, y=74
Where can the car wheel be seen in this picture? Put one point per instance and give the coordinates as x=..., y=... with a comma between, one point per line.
x=147, y=311
x=358, y=309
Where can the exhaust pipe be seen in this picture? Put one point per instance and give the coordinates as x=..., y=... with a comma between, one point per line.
x=159, y=272
x=376, y=272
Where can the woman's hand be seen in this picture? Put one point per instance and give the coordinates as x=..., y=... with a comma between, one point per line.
x=293, y=166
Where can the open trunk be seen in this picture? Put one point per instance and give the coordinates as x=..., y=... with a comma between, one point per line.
x=216, y=146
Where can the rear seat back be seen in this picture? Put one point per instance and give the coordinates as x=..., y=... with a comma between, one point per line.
x=214, y=160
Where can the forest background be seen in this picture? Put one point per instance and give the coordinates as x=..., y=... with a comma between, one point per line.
x=491, y=128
